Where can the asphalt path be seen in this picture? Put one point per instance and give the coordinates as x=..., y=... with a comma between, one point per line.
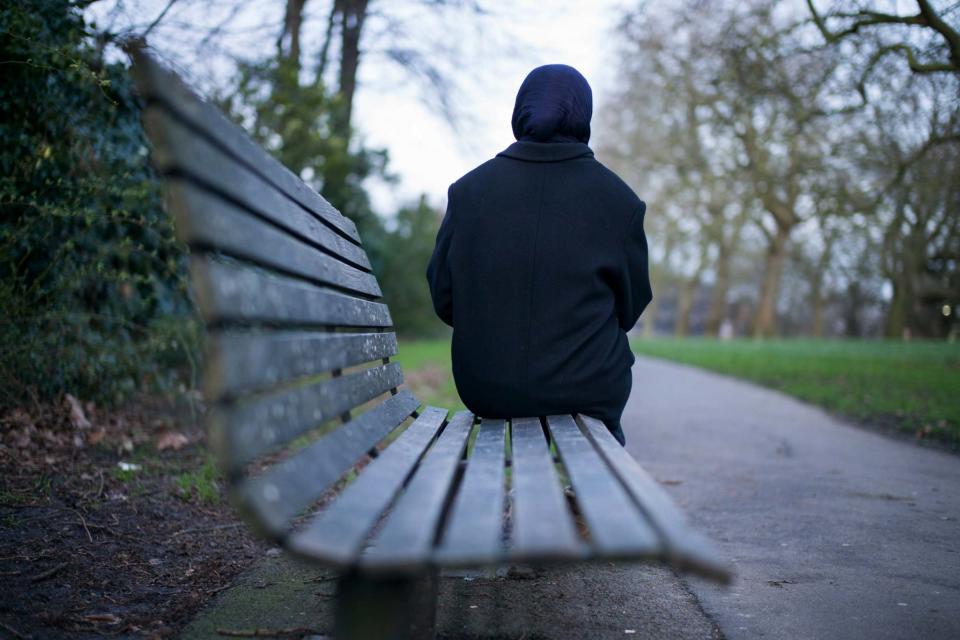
x=835, y=531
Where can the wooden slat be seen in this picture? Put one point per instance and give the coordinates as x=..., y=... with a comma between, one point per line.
x=474, y=533
x=228, y=292
x=685, y=548
x=178, y=151
x=337, y=534
x=245, y=431
x=617, y=527
x=407, y=537
x=164, y=87
x=239, y=362
x=207, y=221
x=542, y=525
x=289, y=487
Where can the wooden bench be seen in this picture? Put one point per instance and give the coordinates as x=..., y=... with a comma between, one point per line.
x=302, y=390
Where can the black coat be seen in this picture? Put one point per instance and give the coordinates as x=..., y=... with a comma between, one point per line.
x=540, y=267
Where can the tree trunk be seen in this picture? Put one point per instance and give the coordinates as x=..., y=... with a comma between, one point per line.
x=901, y=318
x=324, y=55
x=819, y=308
x=721, y=287
x=688, y=291
x=818, y=297
x=818, y=300
x=650, y=314
x=765, y=324
x=650, y=317
x=354, y=14
x=685, y=304
x=899, y=311
x=855, y=298
x=292, y=23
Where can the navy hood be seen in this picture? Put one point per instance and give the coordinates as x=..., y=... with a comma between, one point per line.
x=554, y=104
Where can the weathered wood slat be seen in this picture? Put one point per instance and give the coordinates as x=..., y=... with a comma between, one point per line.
x=685, y=548
x=289, y=487
x=542, y=525
x=181, y=152
x=209, y=221
x=337, y=534
x=160, y=85
x=245, y=431
x=407, y=537
x=228, y=292
x=617, y=527
x=474, y=533
x=239, y=362
x=219, y=225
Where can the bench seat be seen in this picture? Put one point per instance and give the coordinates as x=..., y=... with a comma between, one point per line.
x=326, y=451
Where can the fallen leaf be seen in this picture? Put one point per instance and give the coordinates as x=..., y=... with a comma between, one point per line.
x=77, y=418
x=172, y=440
x=109, y=618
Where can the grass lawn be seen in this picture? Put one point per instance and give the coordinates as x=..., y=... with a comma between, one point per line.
x=912, y=386
x=426, y=370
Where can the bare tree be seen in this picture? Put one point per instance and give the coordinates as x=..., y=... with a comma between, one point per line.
x=744, y=138
x=851, y=23
x=365, y=27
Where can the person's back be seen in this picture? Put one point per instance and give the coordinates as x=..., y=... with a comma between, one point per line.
x=541, y=266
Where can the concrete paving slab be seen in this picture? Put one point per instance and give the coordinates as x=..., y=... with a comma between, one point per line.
x=573, y=602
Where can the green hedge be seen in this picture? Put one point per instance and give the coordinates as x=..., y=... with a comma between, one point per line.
x=92, y=280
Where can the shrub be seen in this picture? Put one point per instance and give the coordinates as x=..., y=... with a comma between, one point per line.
x=92, y=282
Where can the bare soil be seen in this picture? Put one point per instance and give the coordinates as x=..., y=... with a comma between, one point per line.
x=111, y=523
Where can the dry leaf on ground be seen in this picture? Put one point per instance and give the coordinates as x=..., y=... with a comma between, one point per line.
x=77, y=417
x=171, y=440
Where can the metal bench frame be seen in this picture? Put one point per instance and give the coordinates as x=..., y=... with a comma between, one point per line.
x=302, y=389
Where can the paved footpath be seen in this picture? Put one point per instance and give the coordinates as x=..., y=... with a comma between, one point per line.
x=835, y=532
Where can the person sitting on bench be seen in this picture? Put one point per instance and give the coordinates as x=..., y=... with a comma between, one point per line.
x=540, y=266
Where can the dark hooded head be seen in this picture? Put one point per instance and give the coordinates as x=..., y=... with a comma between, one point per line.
x=554, y=104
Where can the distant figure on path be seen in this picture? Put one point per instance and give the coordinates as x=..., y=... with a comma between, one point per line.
x=540, y=266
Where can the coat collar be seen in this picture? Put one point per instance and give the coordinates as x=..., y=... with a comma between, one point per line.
x=546, y=151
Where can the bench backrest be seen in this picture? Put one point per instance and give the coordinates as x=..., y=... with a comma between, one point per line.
x=297, y=339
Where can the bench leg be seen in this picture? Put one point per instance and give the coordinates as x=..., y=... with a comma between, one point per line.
x=386, y=607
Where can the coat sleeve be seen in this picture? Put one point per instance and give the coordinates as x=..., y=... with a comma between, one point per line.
x=438, y=270
x=633, y=292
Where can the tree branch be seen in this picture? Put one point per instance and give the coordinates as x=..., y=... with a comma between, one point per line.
x=157, y=20
x=926, y=18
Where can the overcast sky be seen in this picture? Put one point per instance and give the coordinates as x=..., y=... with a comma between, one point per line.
x=390, y=110
x=427, y=154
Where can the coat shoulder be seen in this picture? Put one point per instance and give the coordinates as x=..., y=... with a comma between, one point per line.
x=615, y=187
x=476, y=178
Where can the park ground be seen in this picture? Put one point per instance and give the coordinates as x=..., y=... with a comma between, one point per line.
x=112, y=523
x=834, y=531
x=115, y=522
